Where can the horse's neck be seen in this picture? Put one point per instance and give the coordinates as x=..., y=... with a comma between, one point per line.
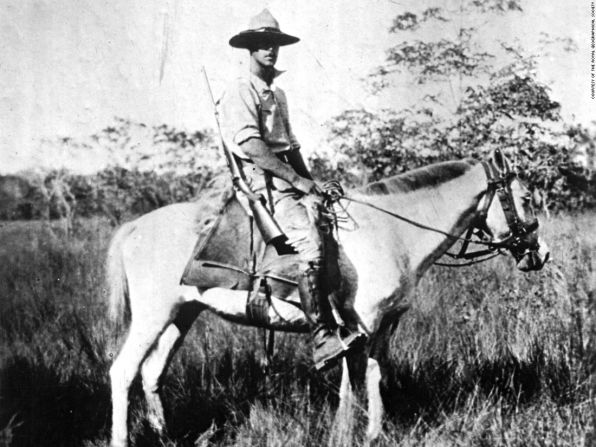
x=449, y=207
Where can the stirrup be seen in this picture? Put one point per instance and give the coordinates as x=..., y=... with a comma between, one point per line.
x=351, y=341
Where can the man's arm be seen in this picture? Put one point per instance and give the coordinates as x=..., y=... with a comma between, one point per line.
x=259, y=153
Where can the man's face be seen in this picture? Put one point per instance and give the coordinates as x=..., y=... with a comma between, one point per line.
x=265, y=54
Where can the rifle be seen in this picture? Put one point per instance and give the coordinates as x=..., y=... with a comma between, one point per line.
x=268, y=227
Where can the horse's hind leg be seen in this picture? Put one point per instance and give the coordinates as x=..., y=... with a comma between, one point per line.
x=124, y=369
x=158, y=359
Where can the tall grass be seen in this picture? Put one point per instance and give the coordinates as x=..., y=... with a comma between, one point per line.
x=486, y=356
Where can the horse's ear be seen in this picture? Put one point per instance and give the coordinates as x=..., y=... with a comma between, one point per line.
x=500, y=162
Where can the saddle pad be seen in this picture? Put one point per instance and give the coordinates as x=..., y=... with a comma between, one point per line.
x=222, y=255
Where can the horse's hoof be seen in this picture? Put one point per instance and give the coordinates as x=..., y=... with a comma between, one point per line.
x=372, y=434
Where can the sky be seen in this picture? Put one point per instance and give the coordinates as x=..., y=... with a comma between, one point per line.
x=68, y=67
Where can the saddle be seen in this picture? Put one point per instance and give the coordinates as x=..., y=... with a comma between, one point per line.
x=230, y=253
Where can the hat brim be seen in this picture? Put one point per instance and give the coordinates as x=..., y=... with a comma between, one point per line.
x=247, y=39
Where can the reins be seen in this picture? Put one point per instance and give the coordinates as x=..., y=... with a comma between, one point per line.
x=413, y=222
x=465, y=264
x=499, y=185
x=494, y=249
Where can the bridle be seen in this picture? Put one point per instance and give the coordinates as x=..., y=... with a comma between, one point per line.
x=520, y=239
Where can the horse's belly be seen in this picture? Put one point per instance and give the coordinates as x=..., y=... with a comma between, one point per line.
x=231, y=305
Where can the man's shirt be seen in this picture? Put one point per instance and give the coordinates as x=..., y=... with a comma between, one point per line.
x=250, y=108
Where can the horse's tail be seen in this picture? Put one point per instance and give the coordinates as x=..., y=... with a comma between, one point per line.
x=118, y=306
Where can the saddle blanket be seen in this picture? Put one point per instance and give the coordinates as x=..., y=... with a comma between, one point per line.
x=231, y=254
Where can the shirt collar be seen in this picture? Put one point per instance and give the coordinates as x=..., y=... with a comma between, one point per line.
x=262, y=85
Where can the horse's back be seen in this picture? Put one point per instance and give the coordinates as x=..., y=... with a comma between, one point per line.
x=187, y=215
x=156, y=251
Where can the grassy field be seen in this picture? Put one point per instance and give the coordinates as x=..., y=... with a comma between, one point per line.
x=486, y=356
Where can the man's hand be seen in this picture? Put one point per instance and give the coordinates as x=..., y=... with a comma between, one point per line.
x=307, y=186
x=332, y=190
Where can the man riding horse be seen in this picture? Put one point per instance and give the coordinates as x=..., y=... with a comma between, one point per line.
x=255, y=126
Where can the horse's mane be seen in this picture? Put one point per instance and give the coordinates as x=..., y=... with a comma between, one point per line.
x=425, y=177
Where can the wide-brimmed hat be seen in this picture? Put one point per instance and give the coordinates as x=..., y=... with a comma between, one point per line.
x=262, y=27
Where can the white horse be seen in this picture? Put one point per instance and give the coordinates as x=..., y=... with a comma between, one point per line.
x=389, y=255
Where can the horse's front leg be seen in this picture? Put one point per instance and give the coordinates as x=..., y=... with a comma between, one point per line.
x=350, y=393
x=375, y=403
x=353, y=378
x=357, y=372
x=346, y=394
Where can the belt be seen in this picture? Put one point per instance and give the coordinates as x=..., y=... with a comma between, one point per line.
x=283, y=156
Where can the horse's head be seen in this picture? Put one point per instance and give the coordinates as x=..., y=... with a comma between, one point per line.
x=506, y=221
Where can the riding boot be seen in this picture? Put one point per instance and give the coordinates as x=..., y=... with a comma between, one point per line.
x=329, y=346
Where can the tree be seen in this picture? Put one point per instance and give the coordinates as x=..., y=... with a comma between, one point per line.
x=471, y=100
x=162, y=148
x=149, y=167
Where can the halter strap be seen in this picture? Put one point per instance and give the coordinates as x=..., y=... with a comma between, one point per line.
x=501, y=186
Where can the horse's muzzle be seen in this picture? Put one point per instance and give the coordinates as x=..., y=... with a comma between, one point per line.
x=533, y=260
